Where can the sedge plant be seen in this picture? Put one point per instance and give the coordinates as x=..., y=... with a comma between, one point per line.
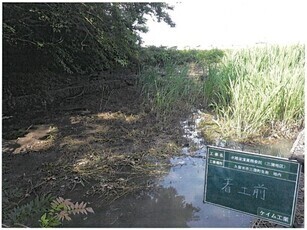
x=170, y=91
x=254, y=89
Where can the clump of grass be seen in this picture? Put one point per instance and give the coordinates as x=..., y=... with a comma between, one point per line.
x=170, y=89
x=254, y=89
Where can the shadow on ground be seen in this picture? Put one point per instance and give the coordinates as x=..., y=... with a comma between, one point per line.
x=95, y=148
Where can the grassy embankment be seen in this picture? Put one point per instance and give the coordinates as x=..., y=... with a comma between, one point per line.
x=254, y=92
x=258, y=91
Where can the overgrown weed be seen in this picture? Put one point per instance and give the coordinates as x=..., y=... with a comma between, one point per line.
x=169, y=90
x=255, y=89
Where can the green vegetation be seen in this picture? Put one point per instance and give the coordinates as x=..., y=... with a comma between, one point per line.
x=166, y=81
x=170, y=90
x=258, y=90
x=75, y=37
x=60, y=210
x=59, y=44
x=15, y=215
x=253, y=92
x=46, y=210
x=160, y=56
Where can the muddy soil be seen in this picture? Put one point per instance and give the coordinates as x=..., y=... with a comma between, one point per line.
x=95, y=148
x=109, y=149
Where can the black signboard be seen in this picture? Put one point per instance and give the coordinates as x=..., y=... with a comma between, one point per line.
x=260, y=185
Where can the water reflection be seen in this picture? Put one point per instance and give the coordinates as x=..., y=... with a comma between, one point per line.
x=188, y=179
x=177, y=200
x=279, y=148
x=160, y=208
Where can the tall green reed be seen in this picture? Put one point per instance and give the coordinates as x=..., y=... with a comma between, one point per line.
x=169, y=90
x=255, y=88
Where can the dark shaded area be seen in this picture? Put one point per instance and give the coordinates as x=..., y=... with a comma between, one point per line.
x=162, y=207
x=51, y=51
x=98, y=147
x=74, y=37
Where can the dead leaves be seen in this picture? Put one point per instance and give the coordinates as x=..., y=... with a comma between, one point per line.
x=64, y=207
x=81, y=208
x=63, y=215
x=59, y=202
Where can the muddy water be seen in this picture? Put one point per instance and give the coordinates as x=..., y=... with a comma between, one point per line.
x=177, y=200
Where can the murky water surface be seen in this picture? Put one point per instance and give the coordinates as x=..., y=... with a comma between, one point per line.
x=177, y=200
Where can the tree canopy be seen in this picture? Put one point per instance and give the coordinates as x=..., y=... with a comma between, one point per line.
x=76, y=37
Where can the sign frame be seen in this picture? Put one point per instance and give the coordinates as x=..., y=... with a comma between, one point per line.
x=253, y=155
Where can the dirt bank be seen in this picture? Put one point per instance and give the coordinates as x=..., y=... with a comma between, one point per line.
x=93, y=148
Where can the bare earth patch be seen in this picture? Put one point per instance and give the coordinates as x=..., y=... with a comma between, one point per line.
x=97, y=156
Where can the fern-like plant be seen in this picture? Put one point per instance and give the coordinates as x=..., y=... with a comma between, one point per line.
x=24, y=214
x=61, y=209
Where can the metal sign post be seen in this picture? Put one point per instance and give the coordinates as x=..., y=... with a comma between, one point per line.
x=259, y=185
